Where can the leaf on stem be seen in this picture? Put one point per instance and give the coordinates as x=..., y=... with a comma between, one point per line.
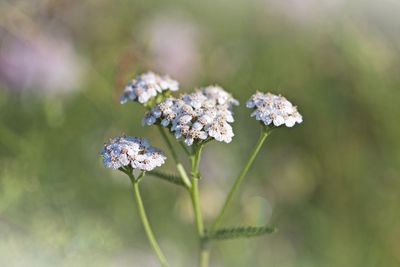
x=240, y=232
x=167, y=177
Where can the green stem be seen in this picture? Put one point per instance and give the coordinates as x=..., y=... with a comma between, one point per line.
x=183, y=174
x=204, y=256
x=194, y=193
x=168, y=142
x=145, y=222
x=179, y=166
x=196, y=207
x=239, y=179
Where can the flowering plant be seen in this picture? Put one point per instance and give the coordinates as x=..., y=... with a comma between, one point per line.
x=194, y=119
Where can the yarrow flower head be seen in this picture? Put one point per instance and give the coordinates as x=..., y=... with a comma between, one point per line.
x=199, y=116
x=146, y=86
x=131, y=151
x=273, y=109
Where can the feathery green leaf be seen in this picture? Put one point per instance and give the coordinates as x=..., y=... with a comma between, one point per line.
x=167, y=177
x=240, y=232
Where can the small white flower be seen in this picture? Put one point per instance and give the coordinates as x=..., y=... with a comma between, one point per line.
x=149, y=120
x=147, y=86
x=131, y=151
x=203, y=114
x=222, y=97
x=273, y=109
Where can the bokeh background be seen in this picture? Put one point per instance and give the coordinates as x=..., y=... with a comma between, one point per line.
x=331, y=185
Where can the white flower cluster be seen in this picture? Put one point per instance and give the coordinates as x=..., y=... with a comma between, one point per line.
x=273, y=109
x=146, y=86
x=203, y=114
x=131, y=151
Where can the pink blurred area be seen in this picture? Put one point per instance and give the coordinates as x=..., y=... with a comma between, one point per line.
x=307, y=11
x=40, y=63
x=173, y=42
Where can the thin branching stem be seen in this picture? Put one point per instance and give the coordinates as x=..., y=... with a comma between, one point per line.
x=239, y=179
x=179, y=166
x=144, y=219
x=194, y=193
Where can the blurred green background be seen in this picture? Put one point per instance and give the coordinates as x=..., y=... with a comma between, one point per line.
x=331, y=185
